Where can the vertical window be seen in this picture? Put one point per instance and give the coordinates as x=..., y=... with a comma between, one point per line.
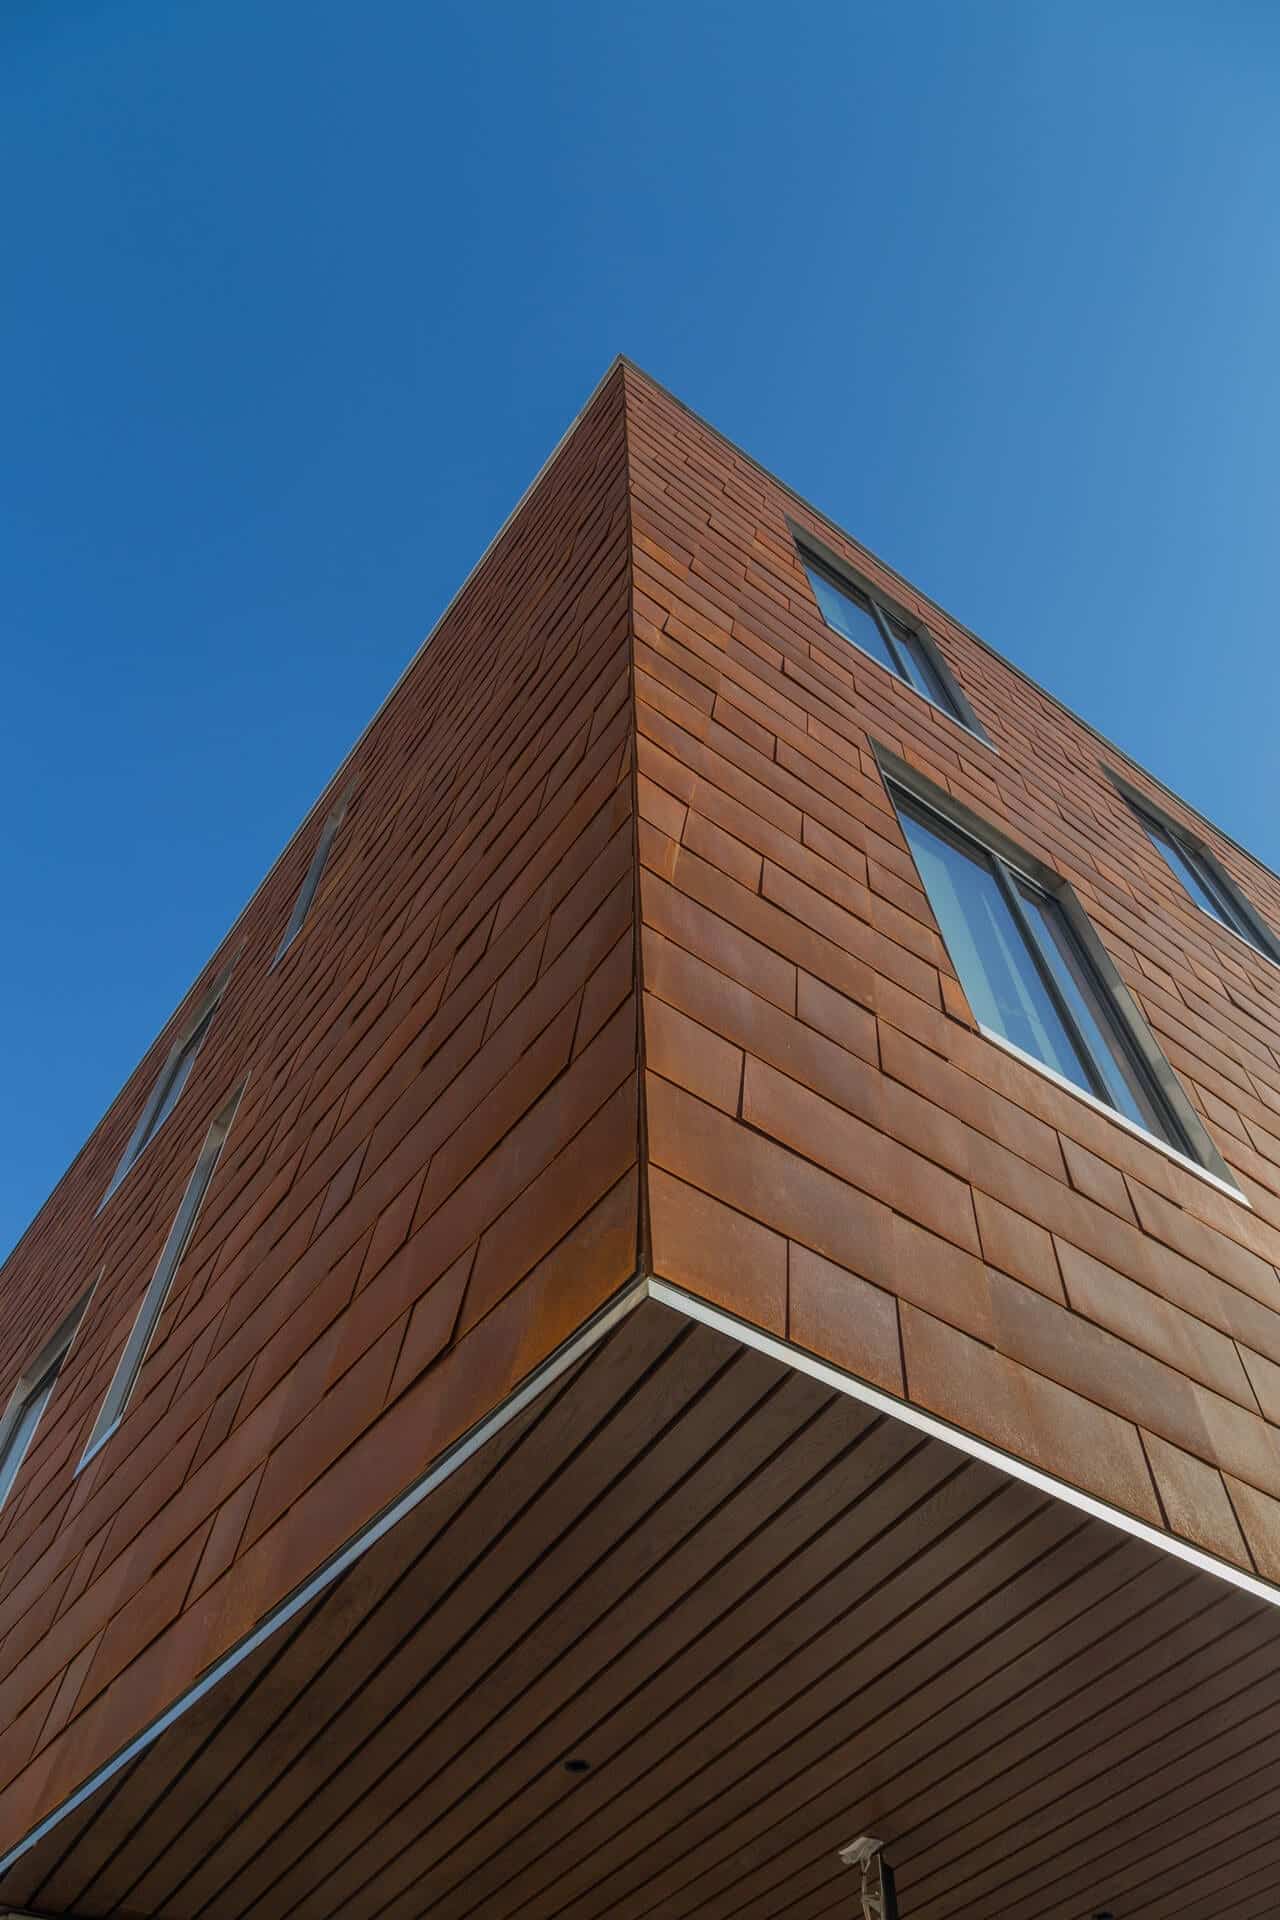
x=165, y=1094
x=849, y=615
x=1200, y=876
x=307, y=892
x=865, y=624
x=1027, y=974
x=29, y=1399
x=26, y=1420
x=144, y=1326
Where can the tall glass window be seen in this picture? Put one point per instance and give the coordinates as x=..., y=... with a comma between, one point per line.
x=22, y=1430
x=1198, y=877
x=858, y=619
x=1027, y=976
x=163, y=1098
x=112, y=1411
x=311, y=880
x=27, y=1402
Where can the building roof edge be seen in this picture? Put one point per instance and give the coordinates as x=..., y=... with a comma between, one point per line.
x=902, y=580
x=225, y=938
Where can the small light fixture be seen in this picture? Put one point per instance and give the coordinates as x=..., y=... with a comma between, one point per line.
x=879, y=1899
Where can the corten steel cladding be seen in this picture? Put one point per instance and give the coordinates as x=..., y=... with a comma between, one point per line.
x=619, y=964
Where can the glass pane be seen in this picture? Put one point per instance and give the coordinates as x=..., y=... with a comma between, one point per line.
x=173, y=1087
x=1199, y=884
x=1210, y=885
x=178, y=1077
x=20, y=1438
x=1125, y=1084
x=920, y=669
x=311, y=882
x=153, y=1303
x=987, y=948
x=1229, y=910
x=850, y=617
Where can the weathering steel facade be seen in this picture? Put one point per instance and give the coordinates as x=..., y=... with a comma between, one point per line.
x=620, y=965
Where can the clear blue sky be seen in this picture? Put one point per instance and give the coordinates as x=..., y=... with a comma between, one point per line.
x=299, y=295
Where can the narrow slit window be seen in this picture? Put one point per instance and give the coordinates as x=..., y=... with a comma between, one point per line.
x=307, y=892
x=858, y=618
x=1212, y=892
x=130, y=1364
x=29, y=1399
x=1027, y=974
x=850, y=615
x=26, y=1420
x=165, y=1094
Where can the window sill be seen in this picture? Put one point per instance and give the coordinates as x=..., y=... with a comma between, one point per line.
x=1152, y=1140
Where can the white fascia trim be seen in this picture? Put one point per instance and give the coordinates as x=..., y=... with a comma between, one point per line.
x=676, y=1300
x=537, y=1382
x=928, y=1423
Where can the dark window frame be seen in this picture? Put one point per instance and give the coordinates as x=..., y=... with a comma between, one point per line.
x=1252, y=929
x=888, y=614
x=1187, y=1140
x=181, y=1058
x=115, y=1403
x=38, y=1379
x=311, y=880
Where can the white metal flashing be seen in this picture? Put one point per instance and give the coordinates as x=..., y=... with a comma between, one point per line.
x=537, y=1382
x=1122, y=1120
x=937, y=1429
x=676, y=1300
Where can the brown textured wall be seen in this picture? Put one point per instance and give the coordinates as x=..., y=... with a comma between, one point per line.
x=835, y=1152
x=431, y=1178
